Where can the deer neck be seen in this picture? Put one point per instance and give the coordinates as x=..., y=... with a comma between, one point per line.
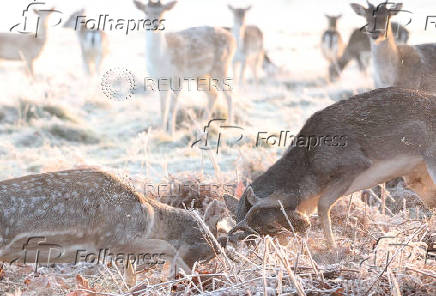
x=170, y=224
x=42, y=28
x=290, y=177
x=332, y=27
x=239, y=34
x=156, y=53
x=385, y=59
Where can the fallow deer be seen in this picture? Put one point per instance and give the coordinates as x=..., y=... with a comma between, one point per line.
x=386, y=133
x=93, y=43
x=359, y=48
x=249, y=41
x=192, y=53
x=82, y=211
x=410, y=66
x=332, y=45
x=26, y=47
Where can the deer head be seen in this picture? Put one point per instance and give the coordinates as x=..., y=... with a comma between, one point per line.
x=71, y=21
x=265, y=215
x=332, y=20
x=377, y=18
x=239, y=14
x=154, y=10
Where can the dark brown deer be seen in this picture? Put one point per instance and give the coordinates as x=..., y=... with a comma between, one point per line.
x=349, y=146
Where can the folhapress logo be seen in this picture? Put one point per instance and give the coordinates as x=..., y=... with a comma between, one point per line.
x=32, y=23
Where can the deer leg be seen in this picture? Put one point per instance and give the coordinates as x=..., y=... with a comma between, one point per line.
x=326, y=201
x=430, y=161
x=235, y=73
x=173, y=112
x=164, y=108
x=97, y=64
x=361, y=64
x=354, y=165
x=30, y=67
x=421, y=182
x=228, y=94
x=212, y=95
x=86, y=64
x=256, y=66
x=86, y=68
x=242, y=73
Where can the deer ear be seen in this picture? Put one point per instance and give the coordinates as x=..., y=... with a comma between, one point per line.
x=248, y=7
x=251, y=197
x=231, y=203
x=139, y=5
x=395, y=9
x=230, y=7
x=358, y=9
x=170, y=5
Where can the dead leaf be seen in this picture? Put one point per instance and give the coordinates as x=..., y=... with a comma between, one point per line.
x=240, y=189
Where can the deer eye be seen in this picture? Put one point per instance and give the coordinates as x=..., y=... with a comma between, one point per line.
x=271, y=228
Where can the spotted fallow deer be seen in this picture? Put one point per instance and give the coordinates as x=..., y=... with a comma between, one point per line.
x=410, y=66
x=349, y=146
x=332, y=45
x=359, y=49
x=26, y=47
x=196, y=52
x=93, y=43
x=79, y=212
x=249, y=41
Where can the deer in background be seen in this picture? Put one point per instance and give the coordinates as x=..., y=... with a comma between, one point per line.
x=410, y=66
x=359, y=49
x=85, y=210
x=249, y=41
x=332, y=45
x=199, y=52
x=93, y=43
x=27, y=48
x=389, y=132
